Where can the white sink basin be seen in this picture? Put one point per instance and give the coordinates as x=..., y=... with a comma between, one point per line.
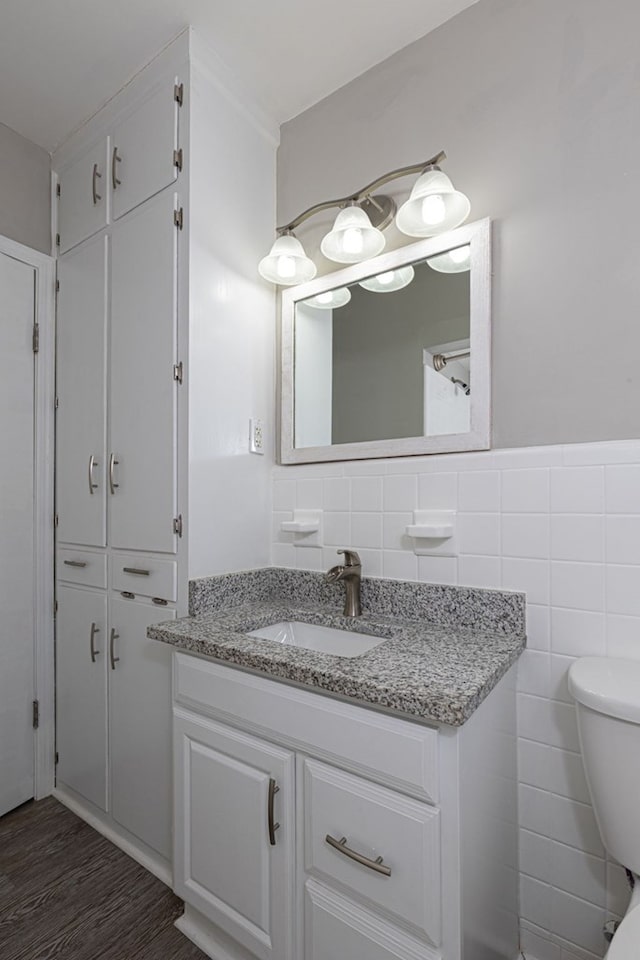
x=341, y=643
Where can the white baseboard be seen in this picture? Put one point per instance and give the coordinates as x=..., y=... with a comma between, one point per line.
x=151, y=862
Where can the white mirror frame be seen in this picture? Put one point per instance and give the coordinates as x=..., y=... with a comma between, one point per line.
x=478, y=236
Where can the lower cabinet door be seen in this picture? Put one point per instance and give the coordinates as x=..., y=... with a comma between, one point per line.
x=140, y=724
x=81, y=692
x=234, y=833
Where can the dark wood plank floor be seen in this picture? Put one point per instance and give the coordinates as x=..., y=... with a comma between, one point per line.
x=67, y=892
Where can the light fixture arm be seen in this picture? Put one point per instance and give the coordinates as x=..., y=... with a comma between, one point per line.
x=362, y=193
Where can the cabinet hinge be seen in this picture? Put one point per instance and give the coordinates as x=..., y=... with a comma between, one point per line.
x=178, y=93
x=177, y=158
x=178, y=218
x=177, y=525
x=55, y=519
x=57, y=286
x=57, y=239
x=57, y=190
x=55, y=607
x=56, y=403
x=57, y=758
x=178, y=372
x=35, y=338
x=36, y=714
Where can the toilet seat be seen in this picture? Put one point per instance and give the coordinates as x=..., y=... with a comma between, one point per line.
x=626, y=942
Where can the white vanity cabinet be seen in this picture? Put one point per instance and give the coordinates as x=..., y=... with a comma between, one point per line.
x=405, y=834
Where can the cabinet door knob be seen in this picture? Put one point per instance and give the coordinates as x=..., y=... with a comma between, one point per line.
x=273, y=789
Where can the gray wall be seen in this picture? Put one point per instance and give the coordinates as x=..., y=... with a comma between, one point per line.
x=25, y=185
x=378, y=339
x=536, y=103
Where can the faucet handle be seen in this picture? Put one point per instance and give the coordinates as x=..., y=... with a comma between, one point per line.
x=351, y=558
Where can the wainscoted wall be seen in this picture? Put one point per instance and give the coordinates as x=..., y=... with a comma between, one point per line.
x=561, y=523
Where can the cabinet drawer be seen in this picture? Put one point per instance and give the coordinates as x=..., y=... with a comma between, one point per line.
x=337, y=929
x=377, y=823
x=399, y=754
x=82, y=566
x=144, y=576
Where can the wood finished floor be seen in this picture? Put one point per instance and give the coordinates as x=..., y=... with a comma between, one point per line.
x=67, y=892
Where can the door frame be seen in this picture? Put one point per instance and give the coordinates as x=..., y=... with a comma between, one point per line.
x=44, y=450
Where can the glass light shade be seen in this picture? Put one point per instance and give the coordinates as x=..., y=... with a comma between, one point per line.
x=389, y=281
x=352, y=238
x=287, y=263
x=330, y=299
x=453, y=261
x=433, y=206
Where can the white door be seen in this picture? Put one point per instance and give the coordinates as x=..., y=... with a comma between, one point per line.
x=143, y=394
x=81, y=692
x=17, y=575
x=234, y=833
x=142, y=150
x=82, y=204
x=81, y=421
x=140, y=711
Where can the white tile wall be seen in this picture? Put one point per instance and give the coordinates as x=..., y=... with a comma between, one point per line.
x=562, y=524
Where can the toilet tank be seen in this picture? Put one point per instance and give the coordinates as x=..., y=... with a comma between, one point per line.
x=607, y=695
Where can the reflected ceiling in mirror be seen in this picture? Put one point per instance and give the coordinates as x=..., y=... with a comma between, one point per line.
x=390, y=357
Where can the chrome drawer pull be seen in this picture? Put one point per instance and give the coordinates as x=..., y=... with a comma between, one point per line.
x=92, y=463
x=115, y=160
x=273, y=789
x=138, y=572
x=114, y=636
x=112, y=464
x=74, y=563
x=95, y=196
x=92, y=642
x=341, y=847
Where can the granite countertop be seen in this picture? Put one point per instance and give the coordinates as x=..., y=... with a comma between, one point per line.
x=445, y=647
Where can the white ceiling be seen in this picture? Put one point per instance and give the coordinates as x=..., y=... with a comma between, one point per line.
x=61, y=59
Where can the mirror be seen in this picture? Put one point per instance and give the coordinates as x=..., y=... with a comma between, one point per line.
x=390, y=357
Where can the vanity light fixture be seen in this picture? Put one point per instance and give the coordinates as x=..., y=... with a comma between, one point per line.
x=433, y=207
x=453, y=261
x=331, y=299
x=389, y=281
x=286, y=262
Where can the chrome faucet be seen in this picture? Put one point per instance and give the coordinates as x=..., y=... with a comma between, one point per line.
x=350, y=572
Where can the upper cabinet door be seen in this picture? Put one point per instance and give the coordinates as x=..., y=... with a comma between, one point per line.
x=144, y=146
x=142, y=454
x=82, y=205
x=81, y=374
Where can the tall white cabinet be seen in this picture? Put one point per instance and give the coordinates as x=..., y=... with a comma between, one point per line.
x=144, y=413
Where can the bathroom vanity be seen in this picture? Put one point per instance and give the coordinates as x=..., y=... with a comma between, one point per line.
x=342, y=807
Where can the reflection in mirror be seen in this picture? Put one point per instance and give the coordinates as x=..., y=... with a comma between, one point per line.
x=368, y=357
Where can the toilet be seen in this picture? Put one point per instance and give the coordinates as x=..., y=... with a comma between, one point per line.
x=607, y=695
